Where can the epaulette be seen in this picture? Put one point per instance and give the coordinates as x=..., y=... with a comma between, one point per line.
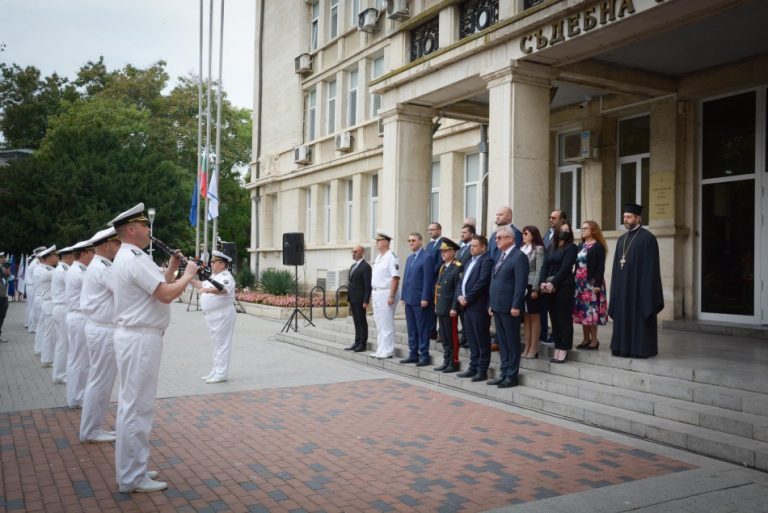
x=83, y=268
x=225, y=281
x=49, y=267
x=106, y=262
x=136, y=252
x=458, y=263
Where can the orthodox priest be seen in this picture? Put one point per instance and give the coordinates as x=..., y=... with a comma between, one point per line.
x=636, y=294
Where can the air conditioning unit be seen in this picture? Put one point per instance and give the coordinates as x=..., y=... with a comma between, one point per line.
x=344, y=141
x=302, y=154
x=336, y=278
x=303, y=63
x=398, y=10
x=381, y=127
x=579, y=147
x=368, y=20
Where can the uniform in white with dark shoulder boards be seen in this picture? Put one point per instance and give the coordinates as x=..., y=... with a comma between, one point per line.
x=220, y=315
x=385, y=267
x=59, y=318
x=78, y=361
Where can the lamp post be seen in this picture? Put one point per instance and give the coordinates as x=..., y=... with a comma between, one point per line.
x=151, y=214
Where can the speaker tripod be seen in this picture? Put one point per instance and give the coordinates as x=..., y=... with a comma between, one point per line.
x=294, y=318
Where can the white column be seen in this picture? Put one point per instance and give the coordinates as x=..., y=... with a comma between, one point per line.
x=404, y=179
x=518, y=141
x=451, y=193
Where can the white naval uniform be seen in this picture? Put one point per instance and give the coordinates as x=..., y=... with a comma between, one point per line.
x=44, y=329
x=141, y=322
x=29, y=280
x=97, y=301
x=59, y=319
x=220, y=315
x=385, y=267
x=78, y=361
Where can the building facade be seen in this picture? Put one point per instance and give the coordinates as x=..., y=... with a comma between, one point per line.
x=387, y=115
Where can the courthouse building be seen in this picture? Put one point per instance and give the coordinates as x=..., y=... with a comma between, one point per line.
x=374, y=114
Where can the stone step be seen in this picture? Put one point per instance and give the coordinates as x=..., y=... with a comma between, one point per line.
x=697, y=438
x=586, y=367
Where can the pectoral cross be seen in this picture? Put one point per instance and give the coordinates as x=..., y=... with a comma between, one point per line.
x=622, y=262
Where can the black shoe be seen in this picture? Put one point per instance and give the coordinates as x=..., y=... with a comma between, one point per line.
x=465, y=345
x=496, y=381
x=555, y=360
x=353, y=347
x=584, y=343
x=433, y=335
x=508, y=383
x=450, y=369
x=409, y=360
x=479, y=377
x=441, y=368
x=360, y=349
x=467, y=374
x=422, y=363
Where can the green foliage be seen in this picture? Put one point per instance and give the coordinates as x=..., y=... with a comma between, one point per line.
x=277, y=281
x=109, y=140
x=245, y=278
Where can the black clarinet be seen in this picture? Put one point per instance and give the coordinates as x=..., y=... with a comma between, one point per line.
x=203, y=271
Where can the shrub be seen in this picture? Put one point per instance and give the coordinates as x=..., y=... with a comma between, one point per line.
x=277, y=282
x=245, y=278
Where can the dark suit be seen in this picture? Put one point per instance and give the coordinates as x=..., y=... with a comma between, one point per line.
x=476, y=322
x=545, y=300
x=509, y=278
x=433, y=249
x=559, y=265
x=448, y=281
x=463, y=255
x=418, y=286
x=359, y=292
x=494, y=251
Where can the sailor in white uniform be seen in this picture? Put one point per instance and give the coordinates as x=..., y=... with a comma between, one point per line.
x=385, y=279
x=142, y=307
x=44, y=331
x=29, y=279
x=78, y=361
x=97, y=302
x=220, y=315
x=59, y=316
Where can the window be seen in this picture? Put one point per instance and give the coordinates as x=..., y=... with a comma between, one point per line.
x=330, y=113
x=634, y=165
x=315, y=27
x=352, y=99
x=308, y=215
x=377, y=69
x=477, y=15
x=334, y=18
x=374, y=203
x=354, y=10
x=568, y=191
x=348, y=211
x=327, y=216
x=434, y=197
x=311, y=119
x=472, y=189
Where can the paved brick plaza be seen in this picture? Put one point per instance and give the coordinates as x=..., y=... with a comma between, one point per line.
x=376, y=445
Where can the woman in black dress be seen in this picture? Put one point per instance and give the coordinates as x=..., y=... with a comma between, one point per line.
x=558, y=285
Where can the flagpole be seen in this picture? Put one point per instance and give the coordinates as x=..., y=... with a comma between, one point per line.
x=218, y=132
x=208, y=122
x=199, y=160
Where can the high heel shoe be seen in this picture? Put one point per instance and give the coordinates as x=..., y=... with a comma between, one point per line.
x=592, y=348
x=584, y=343
x=555, y=360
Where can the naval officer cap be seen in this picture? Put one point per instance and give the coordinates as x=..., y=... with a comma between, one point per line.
x=2, y=254
x=37, y=250
x=103, y=236
x=380, y=235
x=633, y=208
x=82, y=245
x=47, y=251
x=218, y=255
x=64, y=251
x=134, y=214
x=448, y=244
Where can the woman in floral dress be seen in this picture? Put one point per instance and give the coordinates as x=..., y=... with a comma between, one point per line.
x=590, y=308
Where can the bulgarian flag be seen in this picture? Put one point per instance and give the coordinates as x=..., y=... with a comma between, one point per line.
x=203, y=177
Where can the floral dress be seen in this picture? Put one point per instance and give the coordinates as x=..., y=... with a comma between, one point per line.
x=589, y=308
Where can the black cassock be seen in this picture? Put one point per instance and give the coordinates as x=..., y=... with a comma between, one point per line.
x=636, y=295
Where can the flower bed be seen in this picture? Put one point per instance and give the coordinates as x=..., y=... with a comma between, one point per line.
x=262, y=298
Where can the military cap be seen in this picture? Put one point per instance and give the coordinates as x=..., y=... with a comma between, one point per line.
x=134, y=214
x=448, y=244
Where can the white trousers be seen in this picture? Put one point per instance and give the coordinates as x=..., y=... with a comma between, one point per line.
x=30, y=310
x=384, y=315
x=78, y=361
x=37, y=314
x=138, y=355
x=46, y=334
x=60, y=344
x=221, y=328
x=101, y=379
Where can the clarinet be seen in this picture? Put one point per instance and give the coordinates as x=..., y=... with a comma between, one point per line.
x=203, y=272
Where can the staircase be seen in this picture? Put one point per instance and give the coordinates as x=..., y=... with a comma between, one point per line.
x=714, y=412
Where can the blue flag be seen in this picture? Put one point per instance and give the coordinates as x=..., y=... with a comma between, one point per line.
x=193, y=208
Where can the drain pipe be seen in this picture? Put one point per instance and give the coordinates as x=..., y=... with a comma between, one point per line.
x=483, y=147
x=259, y=102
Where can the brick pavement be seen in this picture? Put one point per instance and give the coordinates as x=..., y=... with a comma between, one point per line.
x=368, y=446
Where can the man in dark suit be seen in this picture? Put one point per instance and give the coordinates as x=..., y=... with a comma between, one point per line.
x=448, y=282
x=463, y=255
x=435, y=231
x=472, y=297
x=417, y=296
x=359, y=295
x=554, y=217
x=504, y=218
x=509, y=279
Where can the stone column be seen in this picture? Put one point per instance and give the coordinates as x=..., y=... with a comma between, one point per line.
x=451, y=193
x=518, y=141
x=404, y=178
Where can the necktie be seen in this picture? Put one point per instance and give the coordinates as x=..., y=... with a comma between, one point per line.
x=498, y=264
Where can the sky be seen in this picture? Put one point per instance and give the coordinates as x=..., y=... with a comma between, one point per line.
x=63, y=35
